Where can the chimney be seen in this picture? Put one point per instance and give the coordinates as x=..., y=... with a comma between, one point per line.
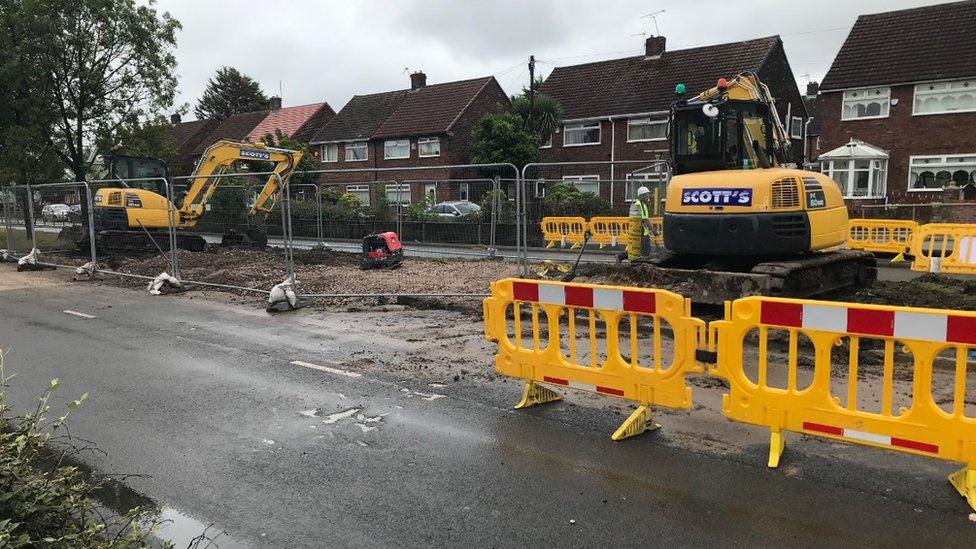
x=654, y=47
x=813, y=88
x=274, y=103
x=418, y=80
x=175, y=118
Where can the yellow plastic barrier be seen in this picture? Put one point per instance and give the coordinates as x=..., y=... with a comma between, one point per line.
x=657, y=230
x=610, y=231
x=589, y=337
x=922, y=427
x=881, y=235
x=563, y=230
x=945, y=248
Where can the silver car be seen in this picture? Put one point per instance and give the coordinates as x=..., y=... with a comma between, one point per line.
x=455, y=209
x=55, y=212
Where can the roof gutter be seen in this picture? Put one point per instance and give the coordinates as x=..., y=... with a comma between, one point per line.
x=614, y=116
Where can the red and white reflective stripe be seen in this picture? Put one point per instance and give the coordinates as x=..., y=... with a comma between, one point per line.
x=880, y=322
x=583, y=386
x=872, y=438
x=632, y=301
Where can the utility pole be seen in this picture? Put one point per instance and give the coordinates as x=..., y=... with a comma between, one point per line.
x=531, y=91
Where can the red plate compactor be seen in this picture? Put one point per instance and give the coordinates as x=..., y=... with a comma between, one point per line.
x=382, y=250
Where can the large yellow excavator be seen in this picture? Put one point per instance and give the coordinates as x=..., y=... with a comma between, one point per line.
x=737, y=212
x=137, y=218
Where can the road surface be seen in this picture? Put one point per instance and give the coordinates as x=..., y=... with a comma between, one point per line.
x=245, y=420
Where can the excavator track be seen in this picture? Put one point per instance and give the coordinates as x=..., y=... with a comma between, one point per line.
x=810, y=275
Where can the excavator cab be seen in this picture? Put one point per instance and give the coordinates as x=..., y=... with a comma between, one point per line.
x=729, y=135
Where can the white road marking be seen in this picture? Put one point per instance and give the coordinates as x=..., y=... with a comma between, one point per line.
x=328, y=369
x=333, y=418
x=76, y=313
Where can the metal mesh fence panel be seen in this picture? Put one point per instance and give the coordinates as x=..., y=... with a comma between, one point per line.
x=60, y=223
x=18, y=221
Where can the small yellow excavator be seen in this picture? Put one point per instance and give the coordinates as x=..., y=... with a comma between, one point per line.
x=132, y=218
x=739, y=218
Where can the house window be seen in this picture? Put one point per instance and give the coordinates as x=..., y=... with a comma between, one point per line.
x=929, y=173
x=945, y=97
x=463, y=192
x=584, y=183
x=359, y=191
x=398, y=193
x=429, y=146
x=581, y=133
x=396, y=148
x=540, y=188
x=858, y=178
x=330, y=153
x=796, y=127
x=645, y=129
x=638, y=180
x=866, y=103
x=356, y=152
x=547, y=144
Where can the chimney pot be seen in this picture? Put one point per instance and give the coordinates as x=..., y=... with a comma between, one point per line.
x=418, y=80
x=813, y=88
x=274, y=103
x=175, y=118
x=654, y=47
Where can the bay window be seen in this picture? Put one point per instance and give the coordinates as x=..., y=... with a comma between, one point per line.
x=935, y=172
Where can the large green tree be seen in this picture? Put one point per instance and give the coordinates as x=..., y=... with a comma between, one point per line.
x=541, y=115
x=230, y=92
x=502, y=137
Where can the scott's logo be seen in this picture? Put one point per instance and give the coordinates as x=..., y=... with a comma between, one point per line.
x=717, y=197
x=257, y=155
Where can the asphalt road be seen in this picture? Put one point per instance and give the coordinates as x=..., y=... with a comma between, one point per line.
x=204, y=397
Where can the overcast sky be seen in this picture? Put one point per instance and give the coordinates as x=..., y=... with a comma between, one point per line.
x=330, y=51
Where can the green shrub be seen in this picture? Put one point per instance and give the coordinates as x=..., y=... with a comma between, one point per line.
x=567, y=200
x=506, y=208
x=44, y=503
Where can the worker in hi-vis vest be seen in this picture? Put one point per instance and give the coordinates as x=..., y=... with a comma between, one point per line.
x=639, y=241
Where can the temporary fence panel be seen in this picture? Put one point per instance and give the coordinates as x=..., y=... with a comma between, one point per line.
x=18, y=222
x=610, y=231
x=945, y=248
x=602, y=339
x=829, y=403
x=563, y=231
x=60, y=223
x=881, y=235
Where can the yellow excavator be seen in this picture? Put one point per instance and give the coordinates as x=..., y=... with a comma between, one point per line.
x=739, y=218
x=133, y=218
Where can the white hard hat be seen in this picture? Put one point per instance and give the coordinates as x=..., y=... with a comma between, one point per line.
x=642, y=191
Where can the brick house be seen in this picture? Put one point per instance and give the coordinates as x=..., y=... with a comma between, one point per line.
x=898, y=111
x=299, y=122
x=425, y=125
x=618, y=109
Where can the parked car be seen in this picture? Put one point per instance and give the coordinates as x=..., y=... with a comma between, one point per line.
x=74, y=215
x=55, y=212
x=456, y=209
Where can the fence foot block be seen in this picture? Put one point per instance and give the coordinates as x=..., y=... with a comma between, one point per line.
x=637, y=423
x=776, y=446
x=533, y=394
x=965, y=482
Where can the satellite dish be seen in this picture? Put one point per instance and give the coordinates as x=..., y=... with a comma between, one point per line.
x=710, y=110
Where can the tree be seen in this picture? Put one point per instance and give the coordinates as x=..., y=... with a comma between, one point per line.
x=307, y=163
x=153, y=138
x=502, y=138
x=564, y=199
x=230, y=92
x=546, y=116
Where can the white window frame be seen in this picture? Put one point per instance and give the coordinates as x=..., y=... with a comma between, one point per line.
x=945, y=164
x=647, y=177
x=579, y=178
x=540, y=188
x=886, y=96
x=878, y=189
x=464, y=192
x=401, y=189
x=583, y=127
x=920, y=89
x=325, y=146
x=646, y=121
x=396, y=143
x=357, y=144
x=425, y=141
x=796, y=127
x=356, y=189
x=546, y=144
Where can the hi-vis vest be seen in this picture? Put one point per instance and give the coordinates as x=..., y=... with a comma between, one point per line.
x=639, y=210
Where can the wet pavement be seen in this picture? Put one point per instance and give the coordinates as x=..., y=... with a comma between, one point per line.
x=277, y=430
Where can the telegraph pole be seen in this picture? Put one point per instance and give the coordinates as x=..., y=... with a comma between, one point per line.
x=531, y=91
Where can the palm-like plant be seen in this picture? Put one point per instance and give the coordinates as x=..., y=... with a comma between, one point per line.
x=546, y=113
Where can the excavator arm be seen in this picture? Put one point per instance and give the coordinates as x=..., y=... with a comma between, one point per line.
x=218, y=159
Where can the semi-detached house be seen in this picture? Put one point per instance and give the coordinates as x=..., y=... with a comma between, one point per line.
x=423, y=126
x=898, y=112
x=617, y=110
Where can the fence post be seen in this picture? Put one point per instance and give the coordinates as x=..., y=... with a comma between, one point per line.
x=9, y=198
x=286, y=224
x=318, y=211
x=91, y=227
x=495, y=187
x=173, y=239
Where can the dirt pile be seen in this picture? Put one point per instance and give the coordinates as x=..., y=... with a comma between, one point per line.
x=929, y=291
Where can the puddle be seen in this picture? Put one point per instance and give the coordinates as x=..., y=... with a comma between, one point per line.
x=184, y=531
